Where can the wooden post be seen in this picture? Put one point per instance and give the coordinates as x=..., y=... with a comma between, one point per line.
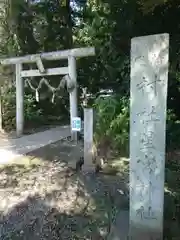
x=73, y=94
x=88, y=139
x=149, y=78
x=19, y=101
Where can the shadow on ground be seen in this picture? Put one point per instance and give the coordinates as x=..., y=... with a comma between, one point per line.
x=35, y=218
x=43, y=198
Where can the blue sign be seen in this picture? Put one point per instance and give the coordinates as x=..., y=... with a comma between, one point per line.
x=76, y=124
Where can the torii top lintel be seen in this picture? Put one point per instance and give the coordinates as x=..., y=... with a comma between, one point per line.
x=76, y=52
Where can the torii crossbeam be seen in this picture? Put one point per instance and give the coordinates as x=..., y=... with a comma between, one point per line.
x=41, y=71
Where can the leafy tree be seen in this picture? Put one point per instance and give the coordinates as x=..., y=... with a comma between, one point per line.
x=148, y=6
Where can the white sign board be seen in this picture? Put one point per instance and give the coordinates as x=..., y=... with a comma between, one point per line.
x=76, y=124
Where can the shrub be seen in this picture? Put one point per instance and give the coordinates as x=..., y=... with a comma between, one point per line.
x=31, y=111
x=172, y=131
x=112, y=122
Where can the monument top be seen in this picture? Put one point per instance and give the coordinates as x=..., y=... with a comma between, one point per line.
x=149, y=36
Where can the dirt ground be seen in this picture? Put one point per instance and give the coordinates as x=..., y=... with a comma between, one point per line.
x=42, y=197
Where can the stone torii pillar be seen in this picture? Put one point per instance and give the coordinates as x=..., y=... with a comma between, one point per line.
x=71, y=55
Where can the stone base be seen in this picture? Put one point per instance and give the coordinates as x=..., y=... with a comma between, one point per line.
x=142, y=234
x=120, y=229
x=88, y=168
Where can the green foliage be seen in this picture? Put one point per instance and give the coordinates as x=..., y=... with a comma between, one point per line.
x=31, y=111
x=36, y=26
x=35, y=113
x=109, y=26
x=148, y=6
x=112, y=121
x=120, y=126
x=9, y=109
x=110, y=67
x=172, y=131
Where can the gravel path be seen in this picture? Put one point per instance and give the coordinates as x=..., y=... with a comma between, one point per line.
x=11, y=148
x=44, y=199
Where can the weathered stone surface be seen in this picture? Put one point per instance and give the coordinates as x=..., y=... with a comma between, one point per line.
x=120, y=229
x=149, y=78
x=88, y=139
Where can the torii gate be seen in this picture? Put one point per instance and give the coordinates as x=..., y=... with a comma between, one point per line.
x=41, y=71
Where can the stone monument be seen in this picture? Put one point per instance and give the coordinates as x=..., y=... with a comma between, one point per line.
x=88, y=139
x=149, y=79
